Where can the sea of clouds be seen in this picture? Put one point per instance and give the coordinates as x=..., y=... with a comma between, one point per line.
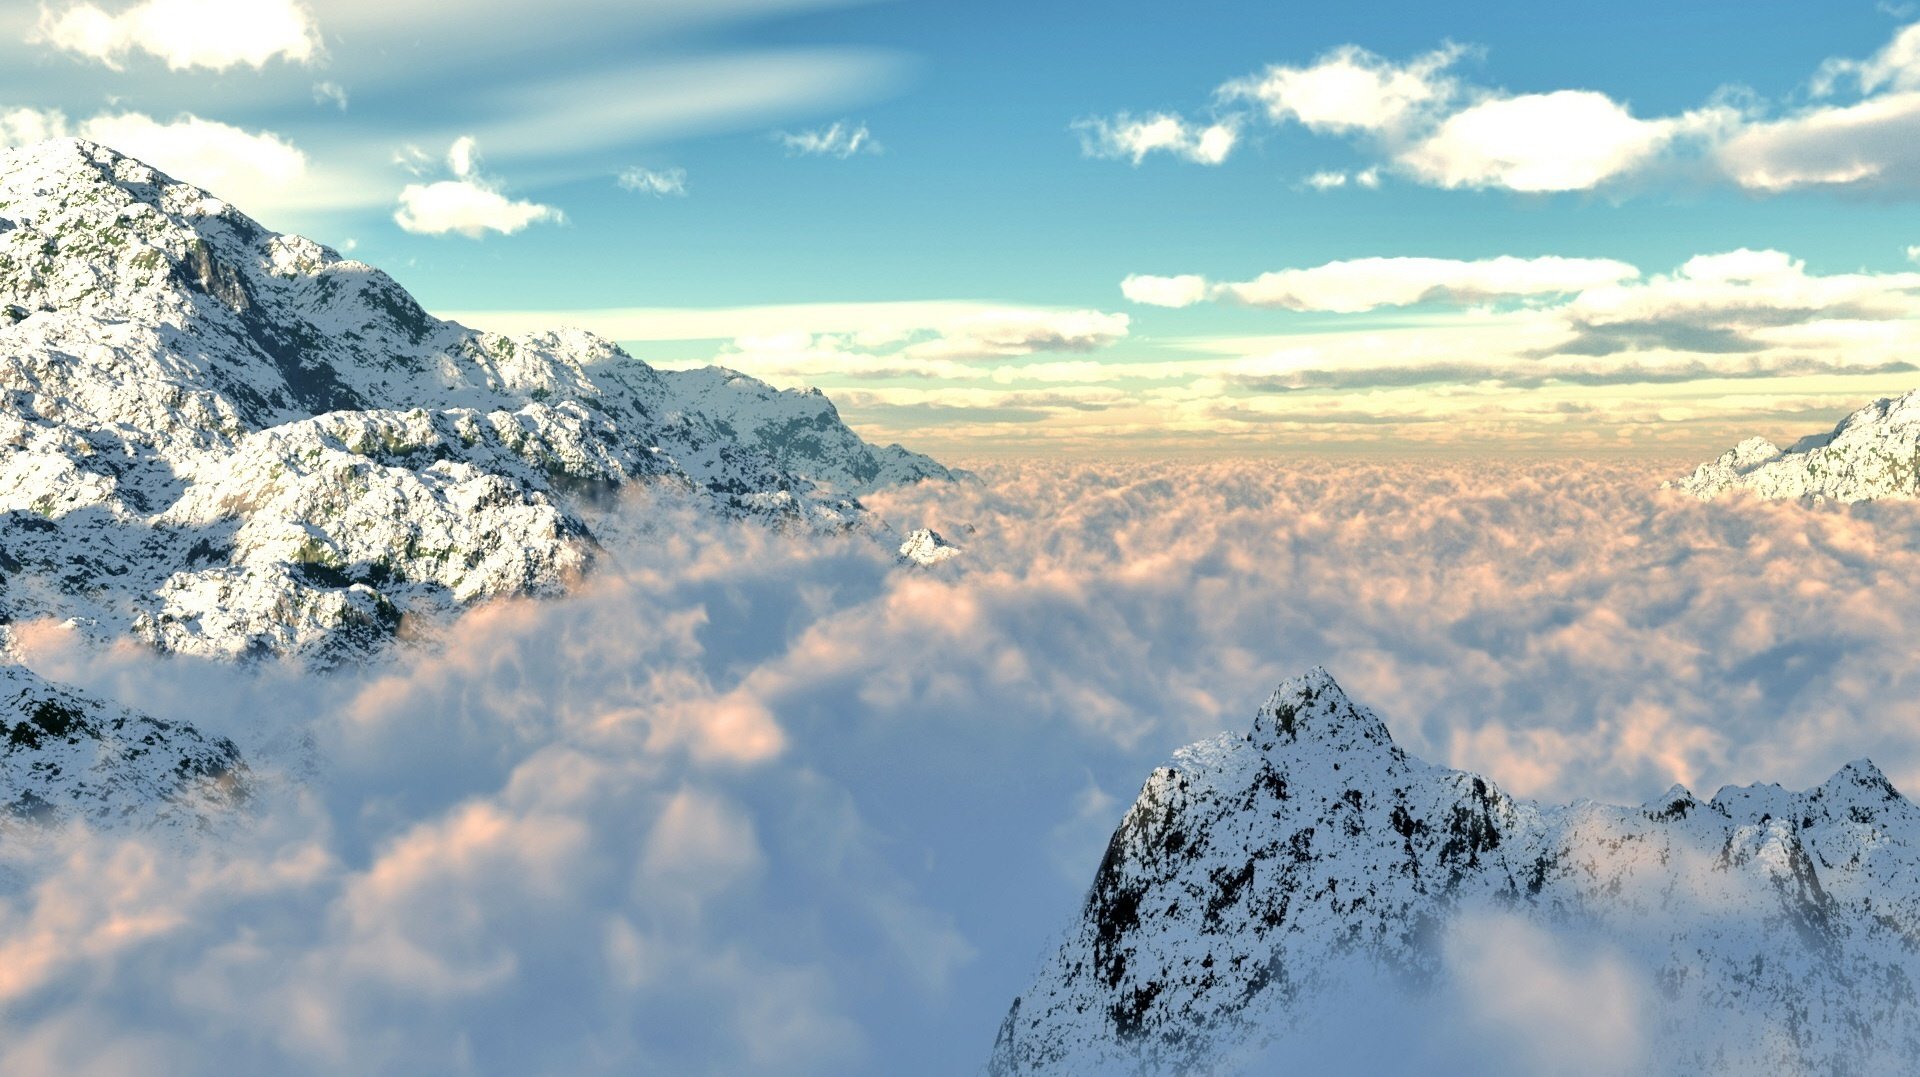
x=747, y=802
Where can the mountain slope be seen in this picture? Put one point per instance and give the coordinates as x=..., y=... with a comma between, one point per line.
x=1782, y=929
x=1874, y=453
x=230, y=442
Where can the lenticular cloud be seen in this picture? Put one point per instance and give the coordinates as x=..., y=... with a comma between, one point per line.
x=749, y=802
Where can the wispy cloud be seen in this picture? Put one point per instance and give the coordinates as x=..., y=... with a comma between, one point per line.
x=841, y=139
x=668, y=181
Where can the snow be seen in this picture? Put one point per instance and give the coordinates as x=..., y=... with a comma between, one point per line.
x=1251, y=866
x=1874, y=453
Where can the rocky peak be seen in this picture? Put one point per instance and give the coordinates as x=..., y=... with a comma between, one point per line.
x=1313, y=708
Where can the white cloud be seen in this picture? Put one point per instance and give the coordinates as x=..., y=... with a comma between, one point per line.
x=1570, y=140
x=669, y=181
x=468, y=204
x=243, y=167
x=840, y=139
x=25, y=126
x=1350, y=90
x=1181, y=291
x=1426, y=123
x=1133, y=138
x=1873, y=144
x=1913, y=254
x=330, y=93
x=1896, y=66
x=216, y=34
x=1364, y=284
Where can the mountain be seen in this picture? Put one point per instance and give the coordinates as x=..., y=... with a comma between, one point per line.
x=1782, y=930
x=64, y=755
x=926, y=548
x=229, y=442
x=1873, y=453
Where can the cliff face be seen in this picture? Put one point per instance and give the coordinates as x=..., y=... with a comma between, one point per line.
x=1253, y=867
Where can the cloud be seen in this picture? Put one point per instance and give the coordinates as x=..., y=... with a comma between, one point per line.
x=1424, y=122
x=1868, y=145
x=214, y=34
x=670, y=181
x=1351, y=90
x=1133, y=138
x=952, y=348
x=330, y=93
x=746, y=802
x=1563, y=141
x=469, y=204
x=1365, y=284
x=840, y=139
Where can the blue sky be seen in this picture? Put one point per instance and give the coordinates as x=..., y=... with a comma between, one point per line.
x=998, y=192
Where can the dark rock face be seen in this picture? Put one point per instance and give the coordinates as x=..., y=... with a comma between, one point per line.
x=1253, y=867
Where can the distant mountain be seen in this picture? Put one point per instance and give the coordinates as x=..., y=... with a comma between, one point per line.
x=1874, y=453
x=1782, y=929
x=231, y=442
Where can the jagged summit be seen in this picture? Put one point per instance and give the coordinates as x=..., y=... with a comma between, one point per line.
x=1313, y=707
x=1255, y=871
x=926, y=547
x=1873, y=453
x=228, y=441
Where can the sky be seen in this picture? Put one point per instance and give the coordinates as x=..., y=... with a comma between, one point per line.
x=996, y=229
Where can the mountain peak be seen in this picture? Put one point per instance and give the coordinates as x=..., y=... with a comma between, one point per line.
x=1313, y=707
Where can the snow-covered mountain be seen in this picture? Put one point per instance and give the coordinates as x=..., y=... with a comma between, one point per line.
x=1781, y=930
x=227, y=441
x=1873, y=453
x=64, y=755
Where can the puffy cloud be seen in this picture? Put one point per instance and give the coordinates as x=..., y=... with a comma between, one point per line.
x=1871, y=144
x=1351, y=90
x=215, y=34
x=233, y=163
x=1133, y=138
x=1427, y=124
x=840, y=139
x=469, y=204
x=669, y=181
x=1367, y=283
x=1564, y=141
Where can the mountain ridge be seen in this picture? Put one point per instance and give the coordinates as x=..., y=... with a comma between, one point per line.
x=1871, y=454
x=204, y=416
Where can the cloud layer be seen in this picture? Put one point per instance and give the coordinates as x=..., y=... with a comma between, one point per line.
x=747, y=802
